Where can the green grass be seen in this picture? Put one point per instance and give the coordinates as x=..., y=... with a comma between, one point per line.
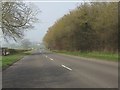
x=97, y=55
x=10, y=59
x=0, y=62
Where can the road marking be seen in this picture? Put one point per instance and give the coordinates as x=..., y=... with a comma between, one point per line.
x=46, y=56
x=51, y=59
x=67, y=67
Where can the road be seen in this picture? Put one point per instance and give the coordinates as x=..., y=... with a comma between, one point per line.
x=50, y=70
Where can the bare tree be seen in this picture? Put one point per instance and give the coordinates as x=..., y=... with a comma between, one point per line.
x=17, y=17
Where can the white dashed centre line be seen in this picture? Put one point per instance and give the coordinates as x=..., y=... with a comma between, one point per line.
x=67, y=67
x=51, y=59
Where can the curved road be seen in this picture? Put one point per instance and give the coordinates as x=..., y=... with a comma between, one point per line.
x=49, y=70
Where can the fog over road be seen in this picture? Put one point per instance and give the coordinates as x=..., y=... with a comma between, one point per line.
x=43, y=69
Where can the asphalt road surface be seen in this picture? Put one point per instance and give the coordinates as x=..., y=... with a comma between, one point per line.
x=50, y=70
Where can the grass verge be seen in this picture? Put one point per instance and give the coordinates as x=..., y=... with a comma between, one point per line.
x=10, y=59
x=97, y=55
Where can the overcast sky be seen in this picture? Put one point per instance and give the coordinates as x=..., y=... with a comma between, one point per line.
x=50, y=12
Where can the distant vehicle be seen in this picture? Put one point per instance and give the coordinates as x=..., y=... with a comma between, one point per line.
x=5, y=51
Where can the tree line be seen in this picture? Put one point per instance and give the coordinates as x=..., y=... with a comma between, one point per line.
x=89, y=27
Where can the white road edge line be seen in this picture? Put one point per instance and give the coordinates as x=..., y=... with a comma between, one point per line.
x=66, y=67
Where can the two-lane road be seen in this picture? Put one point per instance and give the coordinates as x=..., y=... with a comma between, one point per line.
x=49, y=70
